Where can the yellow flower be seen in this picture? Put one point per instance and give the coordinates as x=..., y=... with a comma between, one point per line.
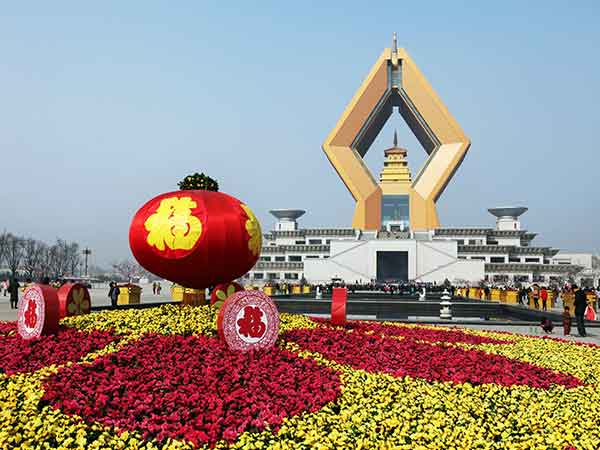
x=253, y=229
x=174, y=225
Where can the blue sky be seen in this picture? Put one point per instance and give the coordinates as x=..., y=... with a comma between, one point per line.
x=104, y=105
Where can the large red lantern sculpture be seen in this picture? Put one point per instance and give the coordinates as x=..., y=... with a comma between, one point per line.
x=196, y=238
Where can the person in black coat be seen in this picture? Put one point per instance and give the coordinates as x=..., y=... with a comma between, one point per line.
x=13, y=288
x=580, y=306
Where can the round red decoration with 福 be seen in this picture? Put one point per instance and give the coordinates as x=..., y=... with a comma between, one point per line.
x=224, y=290
x=248, y=320
x=73, y=300
x=37, y=314
x=196, y=238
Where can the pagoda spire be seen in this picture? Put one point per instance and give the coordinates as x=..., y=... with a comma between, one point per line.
x=395, y=139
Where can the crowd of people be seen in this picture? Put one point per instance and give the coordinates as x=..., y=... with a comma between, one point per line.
x=581, y=307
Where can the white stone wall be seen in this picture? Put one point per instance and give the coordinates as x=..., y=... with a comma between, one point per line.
x=427, y=261
x=516, y=241
x=579, y=259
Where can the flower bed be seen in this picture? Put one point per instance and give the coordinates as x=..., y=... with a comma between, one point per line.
x=159, y=378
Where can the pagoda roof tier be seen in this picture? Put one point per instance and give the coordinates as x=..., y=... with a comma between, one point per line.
x=462, y=231
x=509, y=249
x=507, y=233
x=532, y=267
x=334, y=232
x=276, y=265
x=523, y=234
x=295, y=249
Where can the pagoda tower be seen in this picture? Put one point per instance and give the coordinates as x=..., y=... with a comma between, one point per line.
x=395, y=178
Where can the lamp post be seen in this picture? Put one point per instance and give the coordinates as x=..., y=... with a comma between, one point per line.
x=86, y=253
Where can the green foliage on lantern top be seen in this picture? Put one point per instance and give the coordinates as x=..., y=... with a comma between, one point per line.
x=198, y=181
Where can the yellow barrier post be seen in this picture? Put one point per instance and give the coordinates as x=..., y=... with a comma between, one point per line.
x=129, y=294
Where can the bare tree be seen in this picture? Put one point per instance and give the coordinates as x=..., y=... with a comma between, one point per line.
x=14, y=253
x=45, y=262
x=127, y=269
x=57, y=262
x=33, y=254
x=72, y=257
x=4, y=237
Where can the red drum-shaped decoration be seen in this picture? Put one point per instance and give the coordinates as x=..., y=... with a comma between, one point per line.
x=73, y=300
x=37, y=314
x=195, y=238
x=338, y=306
x=248, y=320
x=222, y=291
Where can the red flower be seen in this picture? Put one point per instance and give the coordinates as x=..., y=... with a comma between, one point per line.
x=192, y=388
x=425, y=334
x=8, y=328
x=407, y=357
x=28, y=355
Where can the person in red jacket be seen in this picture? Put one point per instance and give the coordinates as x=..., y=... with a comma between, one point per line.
x=544, y=297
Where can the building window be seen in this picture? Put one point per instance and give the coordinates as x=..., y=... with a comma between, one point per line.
x=300, y=242
x=460, y=241
x=395, y=209
x=328, y=241
x=295, y=258
x=291, y=276
x=326, y=256
x=273, y=276
x=514, y=259
x=497, y=259
x=521, y=278
x=280, y=258
x=259, y=275
x=265, y=258
x=478, y=258
x=538, y=278
x=315, y=241
x=472, y=242
x=461, y=257
x=312, y=256
x=532, y=260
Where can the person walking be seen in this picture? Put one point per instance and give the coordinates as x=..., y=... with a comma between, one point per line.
x=13, y=288
x=4, y=287
x=522, y=294
x=544, y=297
x=536, y=296
x=566, y=321
x=114, y=294
x=580, y=306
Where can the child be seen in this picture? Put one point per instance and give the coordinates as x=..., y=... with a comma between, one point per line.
x=547, y=325
x=566, y=321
